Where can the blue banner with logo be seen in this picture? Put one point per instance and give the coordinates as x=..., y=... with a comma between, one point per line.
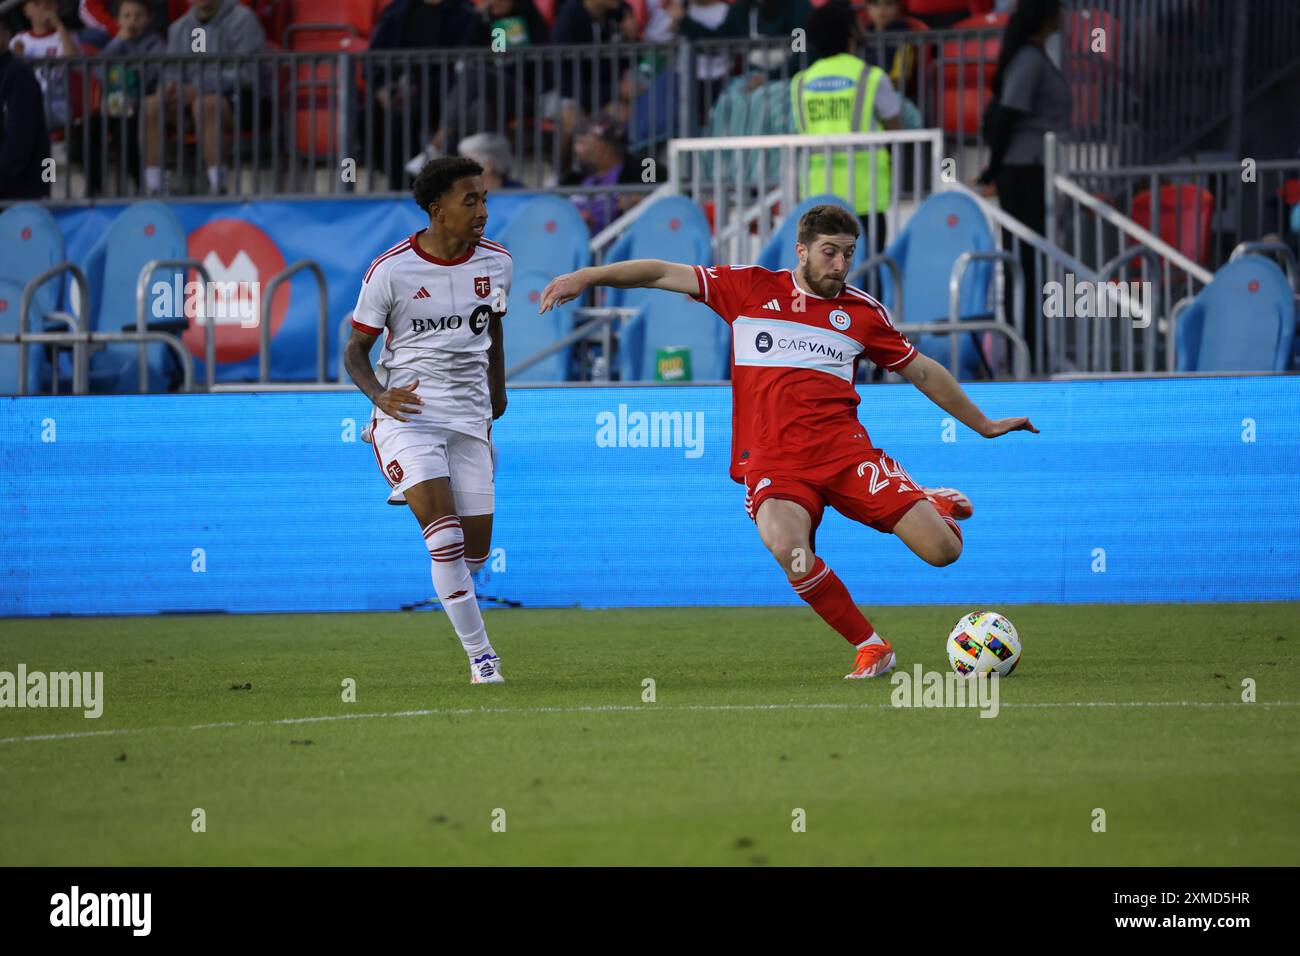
x=251, y=242
x=1136, y=491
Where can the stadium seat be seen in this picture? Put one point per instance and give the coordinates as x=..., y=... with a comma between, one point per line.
x=1186, y=212
x=549, y=234
x=779, y=251
x=1089, y=71
x=142, y=231
x=674, y=229
x=527, y=333
x=321, y=24
x=1243, y=321
x=967, y=68
x=946, y=225
x=32, y=243
x=547, y=9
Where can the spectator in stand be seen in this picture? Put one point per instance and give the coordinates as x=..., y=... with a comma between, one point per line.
x=593, y=83
x=1030, y=97
x=601, y=148
x=207, y=92
x=24, y=138
x=896, y=59
x=48, y=37
x=401, y=128
x=502, y=25
x=125, y=86
x=492, y=152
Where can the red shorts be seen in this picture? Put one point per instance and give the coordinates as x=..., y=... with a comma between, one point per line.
x=875, y=490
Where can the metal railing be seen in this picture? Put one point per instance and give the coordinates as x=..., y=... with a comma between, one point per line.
x=322, y=320
x=82, y=340
x=78, y=324
x=209, y=328
x=746, y=213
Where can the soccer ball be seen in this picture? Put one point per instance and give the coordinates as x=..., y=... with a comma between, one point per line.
x=984, y=642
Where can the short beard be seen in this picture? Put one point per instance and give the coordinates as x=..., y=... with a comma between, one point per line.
x=829, y=289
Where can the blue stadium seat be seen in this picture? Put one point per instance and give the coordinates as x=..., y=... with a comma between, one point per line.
x=673, y=229
x=11, y=294
x=946, y=225
x=32, y=242
x=779, y=251
x=143, y=231
x=527, y=333
x=549, y=234
x=1243, y=321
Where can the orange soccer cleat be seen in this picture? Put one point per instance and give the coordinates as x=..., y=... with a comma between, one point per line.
x=872, y=661
x=950, y=503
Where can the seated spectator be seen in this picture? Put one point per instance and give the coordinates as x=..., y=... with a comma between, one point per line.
x=896, y=59
x=591, y=83
x=24, y=138
x=125, y=86
x=601, y=149
x=206, y=92
x=48, y=37
x=492, y=152
x=502, y=25
x=401, y=128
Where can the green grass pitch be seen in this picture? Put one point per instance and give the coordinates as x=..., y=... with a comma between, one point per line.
x=752, y=721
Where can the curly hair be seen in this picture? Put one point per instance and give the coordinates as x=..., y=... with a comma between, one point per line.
x=436, y=178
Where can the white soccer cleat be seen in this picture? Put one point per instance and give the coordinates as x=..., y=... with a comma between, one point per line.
x=486, y=670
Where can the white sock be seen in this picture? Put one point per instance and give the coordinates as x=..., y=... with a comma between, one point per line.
x=451, y=581
x=873, y=639
x=153, y=179
x=216, y=178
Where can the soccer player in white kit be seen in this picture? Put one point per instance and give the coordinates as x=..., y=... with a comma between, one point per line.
x=439, y=296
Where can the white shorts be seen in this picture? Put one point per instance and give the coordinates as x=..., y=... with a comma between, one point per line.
x=408, y=454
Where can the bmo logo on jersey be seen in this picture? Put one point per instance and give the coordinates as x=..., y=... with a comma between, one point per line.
x=478, y=321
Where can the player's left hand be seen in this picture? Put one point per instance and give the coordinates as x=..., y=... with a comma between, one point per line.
x=1004, y=425
x=560, y=290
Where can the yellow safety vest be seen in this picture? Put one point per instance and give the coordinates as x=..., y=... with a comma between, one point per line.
x=837, y=94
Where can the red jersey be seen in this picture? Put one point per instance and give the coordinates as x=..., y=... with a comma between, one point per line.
x=794, y=405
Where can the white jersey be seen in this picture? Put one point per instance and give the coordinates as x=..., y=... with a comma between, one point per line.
x=436, y=312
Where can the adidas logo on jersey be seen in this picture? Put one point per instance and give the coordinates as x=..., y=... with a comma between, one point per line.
x=422, y=294
x=773, y=306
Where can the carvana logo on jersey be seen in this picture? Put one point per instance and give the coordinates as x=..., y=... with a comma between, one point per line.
x=763, y=342
x=840, y=319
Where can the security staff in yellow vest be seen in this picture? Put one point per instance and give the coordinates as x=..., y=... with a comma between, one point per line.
x=841, y=93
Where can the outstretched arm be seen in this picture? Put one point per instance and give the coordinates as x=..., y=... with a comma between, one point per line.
x=633, y=274
x=938, y=385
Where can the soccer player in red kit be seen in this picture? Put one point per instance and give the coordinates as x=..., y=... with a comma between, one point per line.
x=797, y=444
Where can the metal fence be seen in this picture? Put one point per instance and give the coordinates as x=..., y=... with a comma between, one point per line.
x=329, y=123
x=1161, y=74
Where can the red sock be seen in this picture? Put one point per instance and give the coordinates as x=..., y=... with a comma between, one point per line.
x=831, y=600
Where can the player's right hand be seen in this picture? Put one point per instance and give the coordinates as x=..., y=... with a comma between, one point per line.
x=400, y=399
x=562, y=289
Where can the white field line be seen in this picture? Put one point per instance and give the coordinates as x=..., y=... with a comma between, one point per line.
x=618, y=708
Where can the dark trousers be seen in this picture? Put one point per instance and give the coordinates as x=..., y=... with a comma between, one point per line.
x=1020, y=192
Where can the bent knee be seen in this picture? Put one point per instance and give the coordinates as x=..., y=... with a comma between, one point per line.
x=790, y=551
x=943, y=554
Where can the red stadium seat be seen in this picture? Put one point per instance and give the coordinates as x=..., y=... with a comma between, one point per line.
x=1088, y=70
x=1186, y=212
x=966, y=69
x=321, y=24
x=937, y=8
x=547, y=9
